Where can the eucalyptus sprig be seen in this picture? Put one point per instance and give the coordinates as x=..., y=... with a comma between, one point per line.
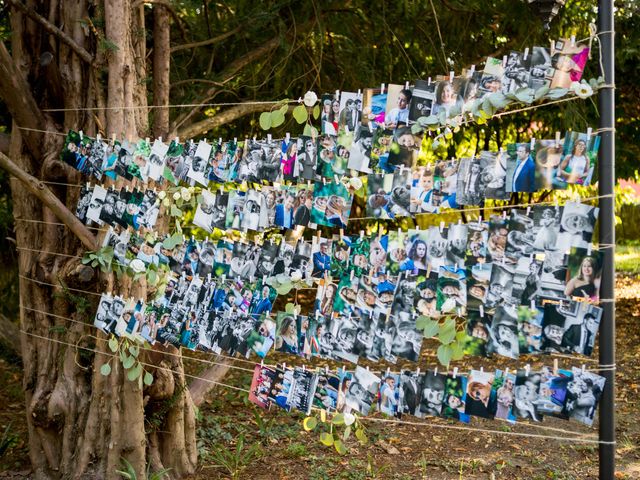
x=336, y=431
x=127, y=350
x=452, y=341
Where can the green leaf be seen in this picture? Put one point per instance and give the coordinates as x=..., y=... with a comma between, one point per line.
x=556, y=93
x=152, y=278
x=360, y=435
x=326, y=439
x=416, y=129
x=525, y=94
x=339, y=446
x=498, y=100
x=309, y=423
x=128, y=362
x=134, y=350
x=300, y=114
x=284, y=288
x=265, y=120
x=431, y=330
x=346, y=433
x=316, y=111
x=338, y=419
x=284, y=109
x=113, y=344
x=444, y=354
x=277, y=118
x=135, y=372
x=175, y=211
x=457, y=350
x=430, y=120
x=148, y=378
x=310, y=131
x=86, y=260
x=105, y=369
x=289, y=308
x=541, y=92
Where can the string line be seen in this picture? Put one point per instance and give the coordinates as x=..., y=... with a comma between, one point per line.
x=176, y=105
x=577, y=436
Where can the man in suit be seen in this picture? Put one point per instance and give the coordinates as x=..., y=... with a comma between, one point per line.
x=284, y=213
x=264, y=305
x=321, y=261
x=410, y=393
x=524, y=176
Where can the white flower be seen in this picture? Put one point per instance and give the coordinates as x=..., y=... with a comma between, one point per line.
x=176, y=196
x=137, y=265
x=355, y=183
x=162, y=194
x=310, y=98
x=581, y=89
x=166, y=202
x=186, y=194
x=349, y=418
x=296, y=275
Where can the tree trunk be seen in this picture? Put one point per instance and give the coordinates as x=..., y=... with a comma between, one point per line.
x=82, y=424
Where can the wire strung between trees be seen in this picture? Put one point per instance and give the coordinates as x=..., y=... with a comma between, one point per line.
x=576, y=436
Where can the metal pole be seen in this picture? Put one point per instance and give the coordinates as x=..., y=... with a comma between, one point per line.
x=606, y=181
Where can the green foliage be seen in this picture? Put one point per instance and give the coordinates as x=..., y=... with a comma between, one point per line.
x=452, y=339
x=336, y=431
x=129, y=473
x=236, y=460
x=8, y=440
x=127, y=351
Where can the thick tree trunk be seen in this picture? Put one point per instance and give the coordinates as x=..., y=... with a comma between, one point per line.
x=82, y=424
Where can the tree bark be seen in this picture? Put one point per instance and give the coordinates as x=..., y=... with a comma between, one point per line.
x=202, y=385
x=161, y=77
x=81, y=423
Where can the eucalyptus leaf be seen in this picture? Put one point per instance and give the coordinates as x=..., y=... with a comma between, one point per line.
x=309, y=423
x=338, y=419
x=525, y=94
x=128, y=362
x=339, y=446
x=457, y=350
x=360, y=435
x=135, y=372
x=148, y=378
x=541, y=92
x=316, y=111
x=326, y=439
x=444, y=354
x=300, y=114
x=310, y=131
x=498, y=100
x=113, y=344
x=556, y=93
x=431, y=329
x=284, y=109
x=277, y=118
x=105, y=369
x=265, y=120
x=346, y=433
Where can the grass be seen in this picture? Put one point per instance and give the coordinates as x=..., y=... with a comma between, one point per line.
x=628, y=259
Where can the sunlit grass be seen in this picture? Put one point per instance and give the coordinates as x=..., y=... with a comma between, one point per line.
x=628, y=259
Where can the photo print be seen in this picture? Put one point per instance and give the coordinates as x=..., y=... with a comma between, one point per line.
x=398, y=244
x=478, y=328
x=235, y=209
x=346, y=296
x=340, y=256
x=570, y=327
x=583, y=395
x=96, y=203
x=568, y=59
x=264, y=378
x=290, y=168
x=457, y=244
x=422, y=190
x=84, y=202
x=497, y=241
x=404, y=297
x=584, y=270
x=388, y=195
x=411, y=392
x=338, y=206
x=404, y=150
x=481, y=397
x=447, y=97
x=362, y=391
x=579, y=156
x=215, y=170
x=445, y=181
x=407, y=341
x=422, y=98
x=119, y=243
x=359, y=255
x=516, y=72
x=503, y=335
x=425, y=300
x=360, y=150
x=504, y=385
x=390, y=394
x=470, y=88
x=302, y=265
x=552, y=395
x=576, y=225
x=521, y=236
x=157, y=159
x=149, y=210
x=494, y=174
x=527, y=395
x=380, y=338
x=397, y=107
x=477, y=240
x=455, y=398
x=350, y=111
x=438, y=248
x=491, y=80
x=203, y=217
x=329, y=162
x=452, y=290
x=321, y=248
x=548, y=156
x=330, y=114
x=471, y=185
x=554, y=273
x=374, y=106
x=478, y=282
x=521, y=168
x=113, y=207
x=540, y=68
x=176, y=165
x=302, y=207
x=530, y=324
x=378, y=247
x=326, y=393
x=303, y=386
x=321, y=193
x=381, y=145
x=281, y=388
x=526, y=280
x=252, y=214
x=432, y=396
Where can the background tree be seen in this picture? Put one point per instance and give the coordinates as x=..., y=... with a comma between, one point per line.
x=101, y=61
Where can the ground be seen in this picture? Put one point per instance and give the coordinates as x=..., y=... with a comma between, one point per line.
x=237, y=440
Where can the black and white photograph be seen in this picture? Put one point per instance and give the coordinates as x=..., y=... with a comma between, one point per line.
x=389, y=195
x=252, y=215
x=157, y=159
x=494, y=174
x=521, y=236
x=576, y=225
x=457, y=244
x=540, y=68
x=516, y=72
x=492, y=74
x=113, y=208
x=410, y=392
x=95, y=205
x=422, y=98
x=526, y=280
x=583, y=395
x=432, y=397
x=307, y=157
x=554, y=274
x=570, y=326
x=350, y=111
x=451, y=296
x=84, y=202
x=203, y=217
x=199, y=163
x=362, y=391
x=390, y=394
x=500, y=285
x=471, y=181
x=303, y=387
x=504, y=332
x=527, y=395
x=546, y=226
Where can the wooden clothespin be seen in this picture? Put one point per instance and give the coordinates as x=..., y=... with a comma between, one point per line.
x=526, y=53
x=451, y=74
x=555, y=366
x=382, y=89
x=455, y=372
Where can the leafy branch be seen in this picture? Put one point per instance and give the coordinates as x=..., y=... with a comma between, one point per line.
x=128, y=353
x=335, y=432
